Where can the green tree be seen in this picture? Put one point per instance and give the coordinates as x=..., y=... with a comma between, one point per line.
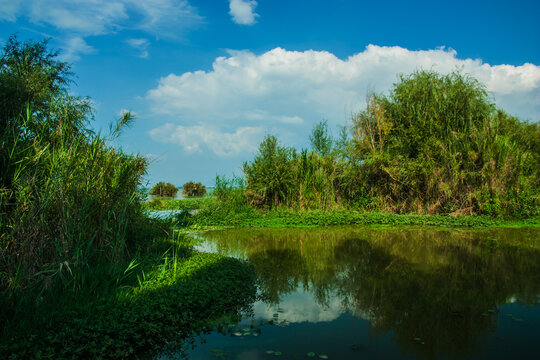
x=320, y=138
x=438, y=144
x=164, y=189
x=270, y=174
x=193, y=189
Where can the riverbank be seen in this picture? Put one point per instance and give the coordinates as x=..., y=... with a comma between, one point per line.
x=213, y=214
x=158, y=302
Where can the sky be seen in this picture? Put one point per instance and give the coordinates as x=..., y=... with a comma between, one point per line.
x=208, y=79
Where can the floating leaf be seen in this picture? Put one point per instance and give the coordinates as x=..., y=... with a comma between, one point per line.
x=311, y=354
x=237, y=334
x=323, y=356
x=417, y=339
x=269, y=352
x=277, y=353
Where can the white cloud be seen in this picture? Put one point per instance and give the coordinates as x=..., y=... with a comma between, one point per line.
x=141, y=45
x=243, y=11
x=286, y=92
x=301, y=306
x=9, y=9
x=74, y=47
x=195, y=138
x=166, y=18
x=121, y=113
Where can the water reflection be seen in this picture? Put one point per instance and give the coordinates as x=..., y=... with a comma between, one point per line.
x=437, y=292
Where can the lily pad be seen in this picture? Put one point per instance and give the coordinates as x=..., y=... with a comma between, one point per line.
x=237, y=334
x=311, y=354
x=269, y=352
x=323, y=356
x=277, y=353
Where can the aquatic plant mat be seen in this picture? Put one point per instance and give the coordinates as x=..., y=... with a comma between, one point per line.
x=161, y=304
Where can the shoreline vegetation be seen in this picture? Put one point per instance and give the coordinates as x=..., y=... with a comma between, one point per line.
x=208, y=215
x=86, y=273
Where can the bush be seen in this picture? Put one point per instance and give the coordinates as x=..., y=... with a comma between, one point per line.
x=437, y=144
x=164, y=189
x=193, y=189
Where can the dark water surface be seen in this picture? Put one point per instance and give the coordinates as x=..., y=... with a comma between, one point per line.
x=364, y=293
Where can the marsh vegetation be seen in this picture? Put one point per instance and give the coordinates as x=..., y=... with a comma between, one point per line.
x=85, y=272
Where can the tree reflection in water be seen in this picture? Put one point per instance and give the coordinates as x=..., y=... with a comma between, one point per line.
x=437, y=291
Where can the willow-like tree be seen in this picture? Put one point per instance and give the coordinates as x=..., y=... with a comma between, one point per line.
x=438, y=144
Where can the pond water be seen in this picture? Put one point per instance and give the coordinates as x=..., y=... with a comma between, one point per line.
x=364, y=293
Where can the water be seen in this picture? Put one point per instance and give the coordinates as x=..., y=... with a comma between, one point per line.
x=361, y=293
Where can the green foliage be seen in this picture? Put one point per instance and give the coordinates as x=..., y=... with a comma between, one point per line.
x=269, y=176
x=249, y=217
x=279, y=176
x=67, y=199
x=193, y=189
x=320, y=138
x=176, y=204
x=437, y=144
x=164, y=189
x=75, y=279
x=155, y=303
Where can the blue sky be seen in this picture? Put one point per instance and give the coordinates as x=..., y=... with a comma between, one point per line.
x=208, y=79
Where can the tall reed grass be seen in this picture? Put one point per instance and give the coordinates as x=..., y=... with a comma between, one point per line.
x=68, y=198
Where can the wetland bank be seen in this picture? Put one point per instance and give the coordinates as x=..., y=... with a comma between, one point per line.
x=448, y=267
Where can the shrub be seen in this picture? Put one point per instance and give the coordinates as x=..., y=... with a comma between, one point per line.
x=193, y=189
x=164, y=189
x=437, y=144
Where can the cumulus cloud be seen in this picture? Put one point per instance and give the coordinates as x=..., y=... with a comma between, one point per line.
x=196, y=138
x=141, y=45
x=286, y=92
x=169, y=18
x=300, y=306
x=243, y=11
x=74, y=47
